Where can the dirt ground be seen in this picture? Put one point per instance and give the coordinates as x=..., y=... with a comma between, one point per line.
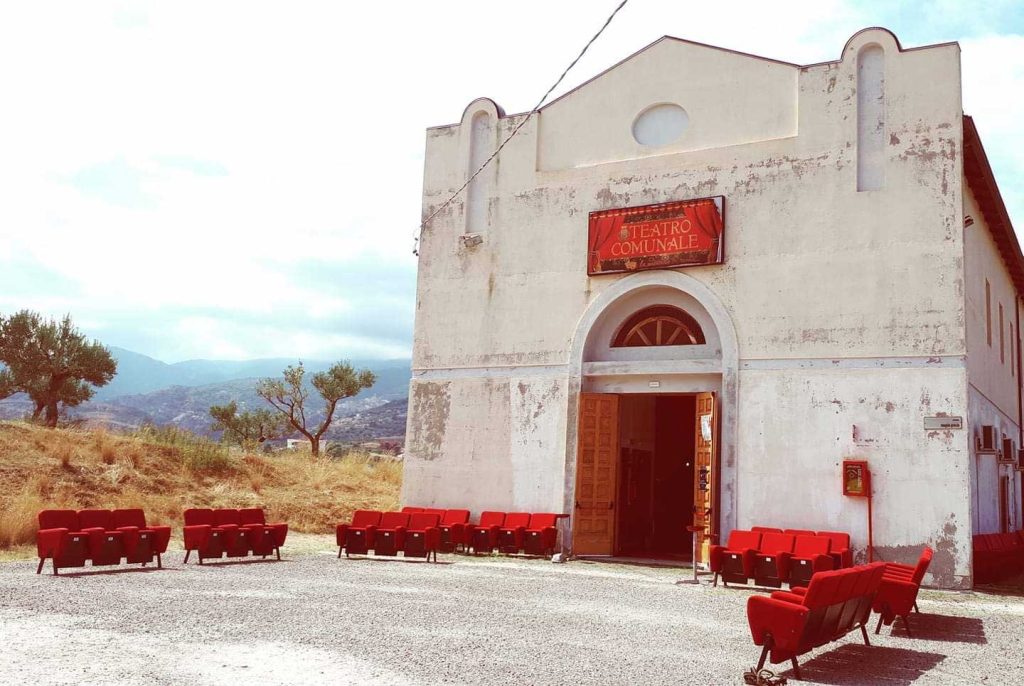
x=312, y=618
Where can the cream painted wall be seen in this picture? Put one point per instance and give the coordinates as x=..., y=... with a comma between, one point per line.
x=818, y=277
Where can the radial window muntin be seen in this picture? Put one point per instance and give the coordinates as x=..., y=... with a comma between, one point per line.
x=659, y=325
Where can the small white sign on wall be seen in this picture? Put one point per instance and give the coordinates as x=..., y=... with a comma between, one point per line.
x=943, y=423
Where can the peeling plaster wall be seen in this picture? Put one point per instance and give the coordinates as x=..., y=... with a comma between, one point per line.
x=815, y=272
x=799, y=425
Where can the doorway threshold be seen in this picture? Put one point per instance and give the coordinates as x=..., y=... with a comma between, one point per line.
x=679, y=562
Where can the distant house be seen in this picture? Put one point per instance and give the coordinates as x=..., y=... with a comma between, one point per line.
x=301, y=444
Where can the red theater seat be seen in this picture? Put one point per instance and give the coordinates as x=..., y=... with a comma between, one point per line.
x=735, y=560
x=787, y=625
x=541, y=534
x=771, y=561
x=483, y=536
x=841, y=554
x=766, y=529
x=357, y=538
x=390, y=535
x=141, y=541
x=409, y=509
x=453, y=530
x=228, y=531
x=799, y=532
x=103, y=537
x=897, y=594
x=512, y=532
x=810, y=555
x=422, y=536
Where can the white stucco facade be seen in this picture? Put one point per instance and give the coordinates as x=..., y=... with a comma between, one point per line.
x=846, y=309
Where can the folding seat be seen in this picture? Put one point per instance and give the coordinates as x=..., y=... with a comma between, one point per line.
x=766, y=529
x=541, y=534
x=734, y=561
x=264, y=538
x=453, y=530
x=202, y=536
x=106, y=544
x=771, y=561
x=841, y=553
x=357, y=537
x=411, y=510
x=483, y=536
x=511, y=533
x=434, y=510
x=141, y=542
x=61, y=539
x=897, y=594
x=810, y=555
x=236, y=539
x=422, y=536
x=390, y=535
x=799, y=532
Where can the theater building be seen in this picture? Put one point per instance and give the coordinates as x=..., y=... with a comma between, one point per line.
x=695, y=286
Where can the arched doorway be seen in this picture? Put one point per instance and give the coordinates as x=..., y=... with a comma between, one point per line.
x=653, y=419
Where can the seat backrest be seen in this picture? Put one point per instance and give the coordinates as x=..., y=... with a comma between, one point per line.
x=514, y=520
x=90, y=519
x=922, y=564
x=542, y=520
x=776, y=543
x=418, y=521
x=410, y=509
x=197, y=516
x=58, y=519
x=434, y=510
x=455, y=517
x=393, y=520
x=799, y=532
x=766, y=529
x=824, y=587
x=489, y=519
x=130, y=517
x=807, y=546
x=840, y=539
x=251, y=515
x=364, y=518
x=226, y=515
x=741, y=540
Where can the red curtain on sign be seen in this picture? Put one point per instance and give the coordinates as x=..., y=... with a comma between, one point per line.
x=706, y=217
x=601, y=230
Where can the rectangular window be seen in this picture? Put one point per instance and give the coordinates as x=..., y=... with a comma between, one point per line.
x=1002, y=343
x=988, y=313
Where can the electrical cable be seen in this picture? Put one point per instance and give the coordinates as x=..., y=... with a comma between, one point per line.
x=529, y=115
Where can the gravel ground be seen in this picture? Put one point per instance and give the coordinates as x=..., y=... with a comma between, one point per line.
x=314, y=619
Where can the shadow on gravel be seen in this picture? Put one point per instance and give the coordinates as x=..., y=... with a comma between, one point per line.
x=402, y=560
x=232, y=563
x=928, y=627
x=854, y=664
x=119, y=570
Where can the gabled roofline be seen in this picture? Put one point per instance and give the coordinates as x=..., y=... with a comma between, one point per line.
x=982, y=182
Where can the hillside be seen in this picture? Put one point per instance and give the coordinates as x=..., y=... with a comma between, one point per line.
x=165, y=472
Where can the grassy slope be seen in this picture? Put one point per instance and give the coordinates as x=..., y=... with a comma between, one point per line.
x=70, y=468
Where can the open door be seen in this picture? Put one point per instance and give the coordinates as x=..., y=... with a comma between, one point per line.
x=597, y=459
x=704, y=486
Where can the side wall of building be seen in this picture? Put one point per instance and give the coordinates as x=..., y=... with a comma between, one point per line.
x=992, y=370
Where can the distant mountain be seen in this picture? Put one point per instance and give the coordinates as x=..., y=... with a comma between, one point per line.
x=180, y=394
x=138, y=374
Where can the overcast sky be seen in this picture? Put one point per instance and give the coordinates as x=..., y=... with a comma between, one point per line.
x=222, y=179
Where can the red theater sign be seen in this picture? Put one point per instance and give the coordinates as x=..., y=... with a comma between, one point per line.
x=663, y=236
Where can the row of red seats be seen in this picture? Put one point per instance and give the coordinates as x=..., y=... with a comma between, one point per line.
x=215, y=533
x=69, y=538
x=788, y=624
x=998, y=556
x=534, y=534
x=414, y=534
x=773, y=556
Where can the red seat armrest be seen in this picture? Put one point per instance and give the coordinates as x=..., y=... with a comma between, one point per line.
x=48, y=541
x=782, y=619
x=788, y=597
x=196, y=536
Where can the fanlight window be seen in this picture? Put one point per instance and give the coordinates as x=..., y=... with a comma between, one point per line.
x=659, y=325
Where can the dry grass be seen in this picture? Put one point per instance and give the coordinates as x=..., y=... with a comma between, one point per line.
x=166, y=471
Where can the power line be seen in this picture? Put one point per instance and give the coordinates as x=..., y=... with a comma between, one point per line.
x=529, y=115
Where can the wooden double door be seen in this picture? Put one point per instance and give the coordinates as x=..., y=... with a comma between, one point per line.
x=595, y=511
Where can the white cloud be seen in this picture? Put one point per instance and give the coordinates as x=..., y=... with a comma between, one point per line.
x=163, y=160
